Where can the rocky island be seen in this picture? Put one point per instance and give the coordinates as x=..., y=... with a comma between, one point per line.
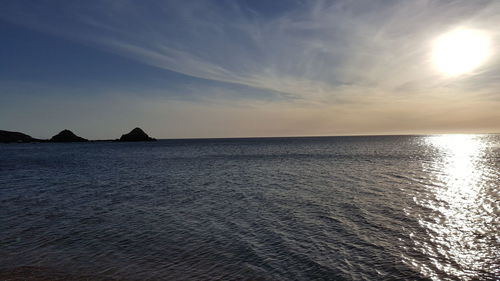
x=67, y=136
x=136, y=134
x=7, y=136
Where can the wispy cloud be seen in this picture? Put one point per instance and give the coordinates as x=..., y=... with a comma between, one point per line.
x=321, y=51
x=316, y=67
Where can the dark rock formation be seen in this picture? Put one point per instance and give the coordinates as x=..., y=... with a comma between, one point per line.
x=136, y=135
x=67, y=136
x=6, y=136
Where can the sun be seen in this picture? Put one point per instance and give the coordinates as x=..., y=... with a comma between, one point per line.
x=460, y=51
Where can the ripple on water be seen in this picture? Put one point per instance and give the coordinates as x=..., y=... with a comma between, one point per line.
x=340, y=208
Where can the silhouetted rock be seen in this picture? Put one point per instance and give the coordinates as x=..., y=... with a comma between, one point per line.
x=136, y=134
x=6, y=136
x=67, y=136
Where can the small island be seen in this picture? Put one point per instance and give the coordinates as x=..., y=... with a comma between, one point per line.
x=136, y=134
x=67, y=136
x=7, y=136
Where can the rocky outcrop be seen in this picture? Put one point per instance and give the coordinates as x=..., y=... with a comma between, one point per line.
x=6, y=136
x=67, y=136
x=136, y=134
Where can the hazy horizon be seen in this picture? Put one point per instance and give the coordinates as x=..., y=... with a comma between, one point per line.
x=105, y=138
x=216, y=69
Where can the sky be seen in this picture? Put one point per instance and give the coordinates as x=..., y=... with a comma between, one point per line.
x=243, y=68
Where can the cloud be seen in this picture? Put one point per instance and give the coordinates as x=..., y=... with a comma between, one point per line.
x=321, y=51
x=316, y=67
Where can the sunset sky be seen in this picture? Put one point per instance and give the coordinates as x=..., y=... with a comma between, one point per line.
x=226, y=68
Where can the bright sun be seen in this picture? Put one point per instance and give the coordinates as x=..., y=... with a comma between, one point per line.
x=460, y=51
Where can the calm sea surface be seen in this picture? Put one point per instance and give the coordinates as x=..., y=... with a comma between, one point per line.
x=330, y=208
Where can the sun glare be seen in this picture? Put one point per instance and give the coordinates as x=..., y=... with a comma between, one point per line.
x=460, y=51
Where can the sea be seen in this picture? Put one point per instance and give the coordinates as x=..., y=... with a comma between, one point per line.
x=305, y=208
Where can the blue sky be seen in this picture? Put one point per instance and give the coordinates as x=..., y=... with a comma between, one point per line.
x=241, y=68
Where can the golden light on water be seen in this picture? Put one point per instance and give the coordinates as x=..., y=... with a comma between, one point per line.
x=460, y=51
x=462, y=200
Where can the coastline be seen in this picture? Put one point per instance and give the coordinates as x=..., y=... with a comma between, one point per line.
x=136, y=135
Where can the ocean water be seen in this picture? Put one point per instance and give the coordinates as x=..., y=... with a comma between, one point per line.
x=322, y=208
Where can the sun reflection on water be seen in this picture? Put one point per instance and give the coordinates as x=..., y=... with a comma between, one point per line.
x=460, y=225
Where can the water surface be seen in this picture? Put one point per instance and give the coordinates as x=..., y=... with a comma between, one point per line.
x=329, y=208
